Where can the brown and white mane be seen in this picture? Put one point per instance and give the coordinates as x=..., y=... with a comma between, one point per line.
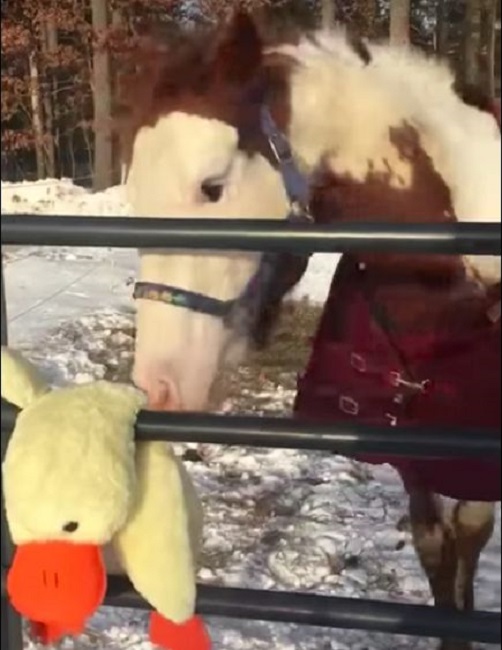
x=380, y=134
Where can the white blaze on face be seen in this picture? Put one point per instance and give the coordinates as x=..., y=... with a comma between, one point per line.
x=178, y=352
x=172, y=159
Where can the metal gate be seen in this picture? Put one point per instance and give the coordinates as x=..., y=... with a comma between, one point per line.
x=346, y=439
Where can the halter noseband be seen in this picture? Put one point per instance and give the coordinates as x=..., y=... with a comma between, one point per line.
x=239, y=313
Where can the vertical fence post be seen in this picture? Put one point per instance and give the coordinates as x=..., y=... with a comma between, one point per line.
x=12, y=638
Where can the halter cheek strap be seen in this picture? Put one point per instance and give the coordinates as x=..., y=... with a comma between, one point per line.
x=296, y=185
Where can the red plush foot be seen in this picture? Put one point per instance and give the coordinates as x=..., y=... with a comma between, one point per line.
x=191, y=635
x=47, y=633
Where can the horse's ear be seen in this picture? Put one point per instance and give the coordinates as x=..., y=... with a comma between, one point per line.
x=239, y=52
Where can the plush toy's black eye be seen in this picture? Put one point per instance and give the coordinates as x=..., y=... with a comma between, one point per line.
x=70, y=527
x=212, y=190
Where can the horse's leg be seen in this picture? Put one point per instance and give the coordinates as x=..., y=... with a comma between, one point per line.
x=449, y=549
x=435, y=544
x=473, y=522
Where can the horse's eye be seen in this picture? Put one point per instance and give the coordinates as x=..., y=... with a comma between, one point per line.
x=212, y=190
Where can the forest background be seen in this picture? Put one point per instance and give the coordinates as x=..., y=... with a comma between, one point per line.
x=61, y=63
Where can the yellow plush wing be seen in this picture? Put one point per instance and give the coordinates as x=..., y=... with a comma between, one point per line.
x=158, y=546
x=22, y=384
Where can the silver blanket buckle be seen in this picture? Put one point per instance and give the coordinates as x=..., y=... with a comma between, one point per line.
x=397, y=380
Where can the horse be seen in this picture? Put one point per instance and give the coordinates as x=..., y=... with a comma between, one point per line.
x=322, y=128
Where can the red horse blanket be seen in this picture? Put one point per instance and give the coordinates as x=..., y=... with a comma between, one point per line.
x=354, y=373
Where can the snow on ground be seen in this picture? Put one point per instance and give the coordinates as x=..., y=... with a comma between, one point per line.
x=61, y=197
x=276, y=519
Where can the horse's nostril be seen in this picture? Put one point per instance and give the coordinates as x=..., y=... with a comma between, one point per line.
x=70, y=527
x=161, y=390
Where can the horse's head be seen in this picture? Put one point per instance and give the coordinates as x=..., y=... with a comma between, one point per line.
x=380, y=133
x=198, y=151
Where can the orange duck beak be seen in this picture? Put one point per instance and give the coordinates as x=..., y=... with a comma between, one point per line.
x=57, y=586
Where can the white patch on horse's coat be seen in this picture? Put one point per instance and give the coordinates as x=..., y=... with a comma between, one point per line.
x=169, y=162
x=475, y=514
x=173, y=158
x=342, y=111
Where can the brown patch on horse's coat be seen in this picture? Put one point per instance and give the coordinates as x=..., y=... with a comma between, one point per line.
x=181, y=78
x=414, y=288
x=225, y=77
x=425, y=198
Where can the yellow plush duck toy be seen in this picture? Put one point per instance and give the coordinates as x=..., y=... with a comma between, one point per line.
x=76, y=485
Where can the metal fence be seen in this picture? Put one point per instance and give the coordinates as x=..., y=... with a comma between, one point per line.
x=347, y=439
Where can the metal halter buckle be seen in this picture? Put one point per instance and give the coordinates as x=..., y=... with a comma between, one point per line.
x=280, y=148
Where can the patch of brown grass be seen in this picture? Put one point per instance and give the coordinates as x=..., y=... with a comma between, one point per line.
x=291, y=340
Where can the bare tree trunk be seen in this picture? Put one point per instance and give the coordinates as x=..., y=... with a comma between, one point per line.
x=399, y=27
x=102, y=95
x=88, y=145
x=49, y=97
x=367, y=17
x=71, y=151
x=442, y=31
x=488, y=42
x=36, y=113
x=472, y=42
x=328, y=14
x=119, y=155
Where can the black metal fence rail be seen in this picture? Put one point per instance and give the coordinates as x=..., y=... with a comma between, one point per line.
x=349, y=439
x=255, y=235
x=327, y=611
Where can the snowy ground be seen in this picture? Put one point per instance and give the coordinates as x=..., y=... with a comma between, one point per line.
x=275, y=519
